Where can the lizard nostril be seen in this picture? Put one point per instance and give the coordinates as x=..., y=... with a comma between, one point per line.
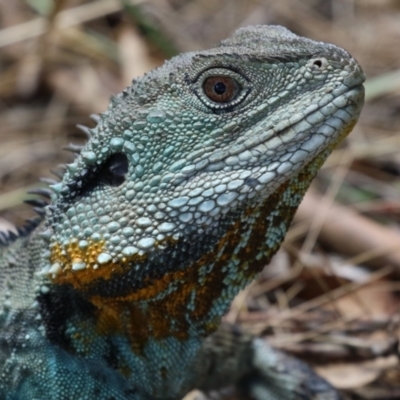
x=317, y=63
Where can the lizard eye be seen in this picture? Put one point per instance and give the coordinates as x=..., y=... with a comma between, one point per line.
x=221, y=89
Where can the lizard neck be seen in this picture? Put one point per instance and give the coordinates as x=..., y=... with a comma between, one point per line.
x=147, y=321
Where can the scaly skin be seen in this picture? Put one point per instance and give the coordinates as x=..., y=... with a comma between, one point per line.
x=184, y=191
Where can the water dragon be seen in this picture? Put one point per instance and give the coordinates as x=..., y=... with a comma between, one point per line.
x=183, y=192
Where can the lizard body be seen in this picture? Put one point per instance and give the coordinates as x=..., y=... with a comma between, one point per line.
x=184, y=191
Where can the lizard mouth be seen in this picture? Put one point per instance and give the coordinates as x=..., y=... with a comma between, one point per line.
x=337, y=113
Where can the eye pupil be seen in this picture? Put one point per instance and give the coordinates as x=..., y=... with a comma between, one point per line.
x=220, y=88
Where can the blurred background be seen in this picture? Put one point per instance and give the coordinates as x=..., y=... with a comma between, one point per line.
x=331, y=294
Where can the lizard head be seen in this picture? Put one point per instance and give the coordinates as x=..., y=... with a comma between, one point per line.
x=186, y=156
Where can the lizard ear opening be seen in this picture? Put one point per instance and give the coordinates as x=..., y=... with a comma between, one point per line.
x=114, y=169
x=110, y=173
